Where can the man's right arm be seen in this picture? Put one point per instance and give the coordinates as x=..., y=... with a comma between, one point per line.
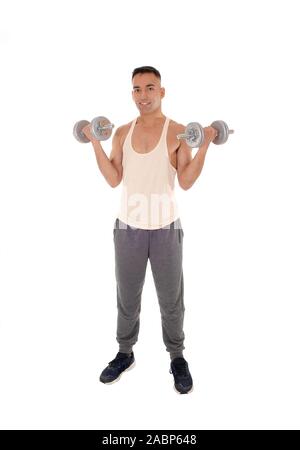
x=111, y=168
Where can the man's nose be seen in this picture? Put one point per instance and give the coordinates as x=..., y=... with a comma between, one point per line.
x=143, y=95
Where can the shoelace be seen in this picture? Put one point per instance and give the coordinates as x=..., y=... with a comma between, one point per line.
x=181, y=368
x=117, y=362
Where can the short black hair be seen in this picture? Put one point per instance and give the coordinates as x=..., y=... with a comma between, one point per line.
x=146, y=69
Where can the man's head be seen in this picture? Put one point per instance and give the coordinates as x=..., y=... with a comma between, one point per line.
x=147, y=91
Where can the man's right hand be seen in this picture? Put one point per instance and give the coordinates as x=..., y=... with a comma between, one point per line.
x=210, y=134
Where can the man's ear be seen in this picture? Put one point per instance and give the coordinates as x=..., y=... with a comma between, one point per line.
x=163, y=92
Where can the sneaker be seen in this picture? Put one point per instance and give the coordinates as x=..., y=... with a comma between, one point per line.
x=182, y=377
x=115, y=368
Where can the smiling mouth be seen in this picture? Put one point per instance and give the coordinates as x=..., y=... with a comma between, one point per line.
x=145, y=104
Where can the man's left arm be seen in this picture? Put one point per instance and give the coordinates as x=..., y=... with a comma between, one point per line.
x=188, y=168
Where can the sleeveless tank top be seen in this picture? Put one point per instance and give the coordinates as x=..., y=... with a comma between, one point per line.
x=148, y=200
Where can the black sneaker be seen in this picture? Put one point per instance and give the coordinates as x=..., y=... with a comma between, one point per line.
x=182, y=377
x=115, y=368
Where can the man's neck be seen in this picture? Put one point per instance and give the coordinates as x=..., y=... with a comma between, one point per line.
x=149, y=120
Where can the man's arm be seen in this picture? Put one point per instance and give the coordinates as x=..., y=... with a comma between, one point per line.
x=111, y=168
x=188, y=168
x=116, y=156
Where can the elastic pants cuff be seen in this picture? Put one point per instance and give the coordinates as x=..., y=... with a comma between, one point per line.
x=176, y=355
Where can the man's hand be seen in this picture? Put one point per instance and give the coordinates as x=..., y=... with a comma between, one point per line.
x=88, y=132
x=210, y=134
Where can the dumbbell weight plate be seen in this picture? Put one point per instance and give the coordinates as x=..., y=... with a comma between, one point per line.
x=194, y=134
x=223, y=131
x=102, y=134
x=77, y=131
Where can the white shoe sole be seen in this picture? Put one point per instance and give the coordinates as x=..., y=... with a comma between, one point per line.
x=184, y=393
x=126, y=370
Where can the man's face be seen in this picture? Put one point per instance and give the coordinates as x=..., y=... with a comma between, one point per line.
x=147, y=92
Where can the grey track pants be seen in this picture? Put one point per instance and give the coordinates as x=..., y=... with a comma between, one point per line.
x=133, y=247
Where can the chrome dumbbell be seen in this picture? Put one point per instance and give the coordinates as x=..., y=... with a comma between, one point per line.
x=100, y=126
x=194, y=133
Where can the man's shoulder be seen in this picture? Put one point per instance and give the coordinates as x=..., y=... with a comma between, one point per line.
x=178, y=127
x=122, y=128
x=175, y=128
x=122, y=131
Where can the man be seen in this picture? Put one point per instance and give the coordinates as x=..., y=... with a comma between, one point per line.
x=146, y=155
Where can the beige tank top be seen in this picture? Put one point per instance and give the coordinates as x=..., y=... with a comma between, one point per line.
x=148, y=199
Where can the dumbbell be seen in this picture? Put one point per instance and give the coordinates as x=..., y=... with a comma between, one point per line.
x=194, y=133
x=100, y=126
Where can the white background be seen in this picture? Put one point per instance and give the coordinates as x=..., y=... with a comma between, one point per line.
x=64, y=61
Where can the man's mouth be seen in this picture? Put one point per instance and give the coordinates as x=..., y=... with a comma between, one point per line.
x=145, y=103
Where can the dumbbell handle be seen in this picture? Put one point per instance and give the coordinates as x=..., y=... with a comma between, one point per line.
x=181, y=136
x=184, y=135
x=105, y=127
x=229, y=131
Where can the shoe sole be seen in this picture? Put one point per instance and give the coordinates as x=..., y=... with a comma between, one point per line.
x=188, y=392
x=117, y=379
